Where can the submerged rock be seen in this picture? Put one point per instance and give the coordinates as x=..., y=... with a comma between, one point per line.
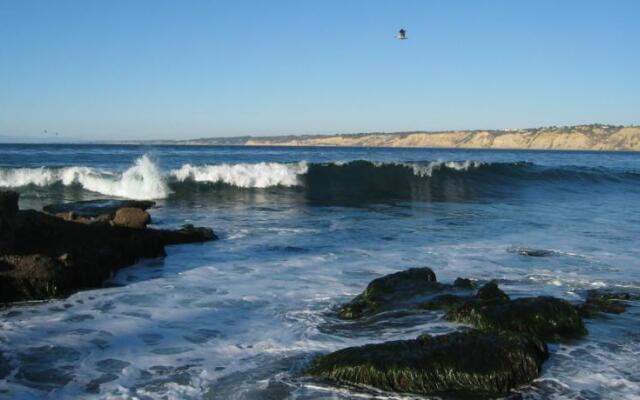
x=526, y=251
x=51, y=257
x=390, y=289
x=5, y=368
x=459, y=363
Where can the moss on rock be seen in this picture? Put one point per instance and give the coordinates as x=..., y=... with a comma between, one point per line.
x=459, y=363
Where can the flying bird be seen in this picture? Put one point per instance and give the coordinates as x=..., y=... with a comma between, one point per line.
x=402, y=34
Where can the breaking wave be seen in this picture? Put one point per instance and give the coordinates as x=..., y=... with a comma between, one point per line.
x=259, y=175
x=356, y=180
x=142, y=181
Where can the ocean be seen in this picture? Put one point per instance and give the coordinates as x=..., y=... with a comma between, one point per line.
x=303, y=230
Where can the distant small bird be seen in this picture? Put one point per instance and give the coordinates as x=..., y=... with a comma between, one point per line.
x=402, y=34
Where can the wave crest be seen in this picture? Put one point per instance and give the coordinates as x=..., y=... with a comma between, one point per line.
x=259, y=175
x=142, y=181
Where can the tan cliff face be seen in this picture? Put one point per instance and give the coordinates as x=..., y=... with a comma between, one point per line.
x=582, y=137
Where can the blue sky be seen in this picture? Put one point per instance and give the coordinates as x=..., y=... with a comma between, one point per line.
x=184, y=69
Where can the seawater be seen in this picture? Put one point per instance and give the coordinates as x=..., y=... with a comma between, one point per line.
x=303, y=230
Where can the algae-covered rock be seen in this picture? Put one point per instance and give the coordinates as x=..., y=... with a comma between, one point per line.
x=390, y=289
x=459, y=363
x=548, y=318
x=444, y=302
x=604, y=302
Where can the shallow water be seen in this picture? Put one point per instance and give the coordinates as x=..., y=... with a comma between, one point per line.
x=240, y=317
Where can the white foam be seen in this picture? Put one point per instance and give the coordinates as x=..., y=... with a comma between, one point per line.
x=141, y=181
x=427, y=170
x=260, y=175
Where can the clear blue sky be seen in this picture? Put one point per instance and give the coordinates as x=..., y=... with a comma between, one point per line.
x=184, y=69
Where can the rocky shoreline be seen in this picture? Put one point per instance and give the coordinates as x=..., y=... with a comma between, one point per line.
x=501, y=347
x=47, y=255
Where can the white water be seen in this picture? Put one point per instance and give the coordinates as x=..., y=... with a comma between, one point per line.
x=260, y=175
x=142, y=181
x=145, y=181
x=240, y=317
x=429, y=169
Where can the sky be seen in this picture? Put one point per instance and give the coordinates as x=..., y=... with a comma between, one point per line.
x=134, y=69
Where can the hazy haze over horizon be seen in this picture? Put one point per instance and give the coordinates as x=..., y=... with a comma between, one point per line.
x=164, y=70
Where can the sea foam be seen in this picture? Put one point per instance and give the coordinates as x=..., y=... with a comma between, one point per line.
x=141, y=181
x=260, y=175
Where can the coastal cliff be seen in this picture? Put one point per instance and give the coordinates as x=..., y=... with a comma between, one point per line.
x=580, y=137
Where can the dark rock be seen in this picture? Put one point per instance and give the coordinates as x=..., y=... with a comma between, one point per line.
x=443, y=302
x=491, y=291
x=460, y=363
x=95, y=208
x=548, y=318
x=132, y=217
x=8, y=204
x=604, y=302
x=52, y=257
x=8, y=212
x=464, y=283
x=524, y=251
x=187, y=234
x=390, y=289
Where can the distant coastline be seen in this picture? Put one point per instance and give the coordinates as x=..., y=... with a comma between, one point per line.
x=577, y=137
x=593, y=137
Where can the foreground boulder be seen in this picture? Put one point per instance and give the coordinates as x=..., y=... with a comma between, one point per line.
x=51, y=257
x=460, y=363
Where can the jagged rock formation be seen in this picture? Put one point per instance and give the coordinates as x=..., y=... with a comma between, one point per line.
x=44, y=256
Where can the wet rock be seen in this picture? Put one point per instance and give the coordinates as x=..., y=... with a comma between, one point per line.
x=460, y=363
x=444, y=302
x=390, y=289
x=8, y=212
x=188, y=234
x=464, y=283
x=548, y=318
x=604, y=302
x=491, y=291
x=525, y=251
x=52, y=257
x=96, y=208
x=132, y=217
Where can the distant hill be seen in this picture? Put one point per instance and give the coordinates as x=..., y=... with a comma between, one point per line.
x=578, y=137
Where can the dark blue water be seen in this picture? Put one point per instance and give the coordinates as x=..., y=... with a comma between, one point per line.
x=302, y=230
